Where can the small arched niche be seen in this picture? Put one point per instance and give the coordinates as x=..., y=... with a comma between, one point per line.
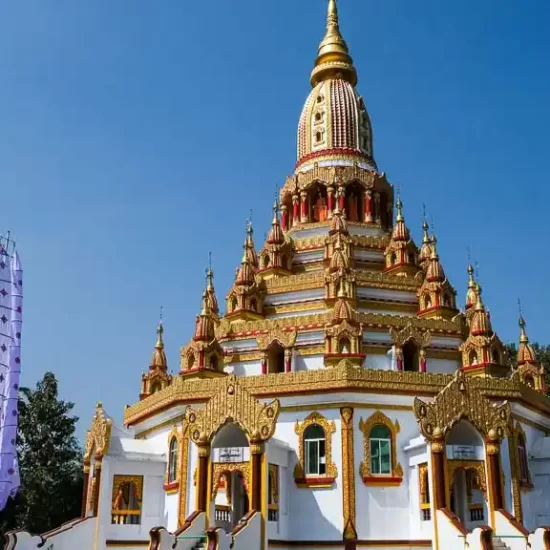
x=354, y=202
x=318, y=200
x=275, y=358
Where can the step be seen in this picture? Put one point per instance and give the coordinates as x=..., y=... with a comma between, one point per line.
x=498, y=544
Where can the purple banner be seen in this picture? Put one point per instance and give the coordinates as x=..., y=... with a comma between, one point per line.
x=11, y=304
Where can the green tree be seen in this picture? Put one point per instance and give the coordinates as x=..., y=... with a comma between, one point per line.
x=50, y=462
x=543, y=354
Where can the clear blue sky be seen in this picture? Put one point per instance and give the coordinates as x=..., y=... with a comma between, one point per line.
x=135, y=137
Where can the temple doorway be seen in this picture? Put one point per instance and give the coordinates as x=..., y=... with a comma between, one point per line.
x=466, y=474
x=231, y=474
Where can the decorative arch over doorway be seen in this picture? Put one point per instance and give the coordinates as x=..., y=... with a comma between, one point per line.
x=232, y=403
x=462, y=398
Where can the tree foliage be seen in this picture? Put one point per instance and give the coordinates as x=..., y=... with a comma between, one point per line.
x=50, y=462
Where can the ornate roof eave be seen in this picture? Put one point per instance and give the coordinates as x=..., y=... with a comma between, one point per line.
x=332, y=176
x=343, y=377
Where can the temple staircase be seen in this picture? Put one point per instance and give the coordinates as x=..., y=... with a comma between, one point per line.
x=498, y=544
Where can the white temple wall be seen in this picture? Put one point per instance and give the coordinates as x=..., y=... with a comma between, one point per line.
x=153, y=512
x=419, y=529
x=377, y=361
x=311, y=362
x=536, y=502
x=443, y=366
x=295, y=297
x=245, y=368
x=314, y=513
x=507, y=471
x=384, y=294
x=192, y=463
x=384, y=512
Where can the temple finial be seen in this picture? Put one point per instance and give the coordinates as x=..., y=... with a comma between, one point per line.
x=160, y=330
x=333, y=57
x=523, y=338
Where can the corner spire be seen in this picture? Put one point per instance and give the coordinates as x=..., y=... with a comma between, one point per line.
x=333, y=59
x=158, y=360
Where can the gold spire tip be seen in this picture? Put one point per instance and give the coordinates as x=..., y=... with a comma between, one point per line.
x=333, y=57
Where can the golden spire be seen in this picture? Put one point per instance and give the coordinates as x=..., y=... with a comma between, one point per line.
x=210, y=292
x=523, y=338
x=471, y=293
x=158, y=360
x=526, y=352
x=333, y=59
x=435, y=270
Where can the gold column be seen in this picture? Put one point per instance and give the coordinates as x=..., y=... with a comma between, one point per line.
x=348, y=477
x=438, y=473
x=184, y=475
x=97, y=475
x=514, y=470
x=84, y=511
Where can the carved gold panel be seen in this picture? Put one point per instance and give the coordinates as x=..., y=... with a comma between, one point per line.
x=232, y=403
x=226, y=469
x=462, y=398
x=98, y=436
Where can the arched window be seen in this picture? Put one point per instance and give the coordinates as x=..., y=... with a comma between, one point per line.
x=318, y=136
x=522, y=458
x=380, y=450
x=253, y=305
x=155, y=387
x=315, y=467
x=380, y=466
x=529, y=381
x=393, y=258
x=410, y=357
x=265, y=261
x=314, y=448
x=173, y=460
x=447, y=300
x=276, y=358
x=234, y=303
x=190, y=361
x=496, y=357
x=412, y=258
x=473, y=357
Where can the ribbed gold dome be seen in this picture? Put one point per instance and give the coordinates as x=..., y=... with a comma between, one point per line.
x=334, y=120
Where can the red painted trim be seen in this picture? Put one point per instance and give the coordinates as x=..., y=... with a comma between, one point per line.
x=315, y=480
x=382, y=479
x=514, y=522
x=455, y=520
x=188, y=522
x=243, y=522
x=486, y=538
x=171, y=486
